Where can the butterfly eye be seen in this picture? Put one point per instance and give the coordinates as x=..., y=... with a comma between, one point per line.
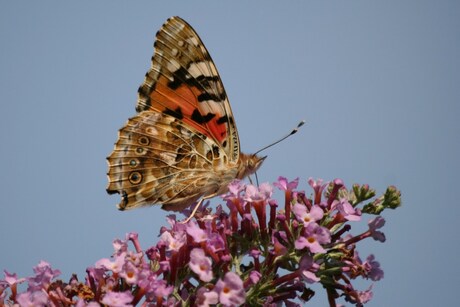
x=251, y=164
x=257, y=162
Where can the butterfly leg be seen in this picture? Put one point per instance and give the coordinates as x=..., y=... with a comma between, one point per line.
x=198, y=204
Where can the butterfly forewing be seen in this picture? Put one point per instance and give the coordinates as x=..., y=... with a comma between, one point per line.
x=183, y=82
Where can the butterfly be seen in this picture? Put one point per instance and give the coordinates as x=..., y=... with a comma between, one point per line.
x=182, y=146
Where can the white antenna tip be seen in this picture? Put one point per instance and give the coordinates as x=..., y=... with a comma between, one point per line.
x=298, y=126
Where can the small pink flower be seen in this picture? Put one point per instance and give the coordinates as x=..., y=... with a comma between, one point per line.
x=215, y=242
x=365, y=296
x=235, y=187
x=82, y=303
x=200, y=264
x=35, y=298
x=254, y=277
x=198, y=234
x=171, y=242
x=120, y=246
x=230, y=290
x=375, y=273
x=317, y=185
x=145, y=277
x=284, y=185
x=310, y=243
x=115, y=266
x=12, y=278
x=43, y=276
x=205, y=298
x=303, y=215
x=130, y=273
x=117, y=299
x=162, y=289
x=262, y=193
x=307, y=268
x=375, y=224
x=314, y=235
x=175, y=226
x=346, y=209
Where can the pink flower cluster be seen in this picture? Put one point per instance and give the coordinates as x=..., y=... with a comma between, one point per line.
x=258, y=253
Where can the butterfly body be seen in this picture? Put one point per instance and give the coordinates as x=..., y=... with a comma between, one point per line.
x=183, y=144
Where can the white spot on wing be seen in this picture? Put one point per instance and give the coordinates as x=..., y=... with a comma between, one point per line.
x=192, y=40
x=203, y=68
x=168, y=157
x=151, y=130
x=185, y=132
x=173, y=65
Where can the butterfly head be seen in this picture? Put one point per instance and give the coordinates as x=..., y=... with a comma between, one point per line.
x=249, y=164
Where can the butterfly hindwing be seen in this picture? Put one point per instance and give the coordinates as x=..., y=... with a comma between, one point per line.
x=155, y=150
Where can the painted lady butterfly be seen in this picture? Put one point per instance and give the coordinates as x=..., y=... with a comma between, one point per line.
x=183, y=143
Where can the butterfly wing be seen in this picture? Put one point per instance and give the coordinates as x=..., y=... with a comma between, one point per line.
x=159, y=159
x=183, y=142
x=183, y=82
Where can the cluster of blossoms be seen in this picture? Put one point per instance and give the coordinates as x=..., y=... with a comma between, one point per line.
x=259, y=253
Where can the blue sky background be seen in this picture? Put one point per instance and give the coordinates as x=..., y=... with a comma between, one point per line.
x=377, y=81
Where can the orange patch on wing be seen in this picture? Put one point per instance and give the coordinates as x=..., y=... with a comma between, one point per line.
x=218, y=130
x=185, y=98
x=163, y=97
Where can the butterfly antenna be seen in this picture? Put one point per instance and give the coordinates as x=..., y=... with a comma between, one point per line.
x=283, y=138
